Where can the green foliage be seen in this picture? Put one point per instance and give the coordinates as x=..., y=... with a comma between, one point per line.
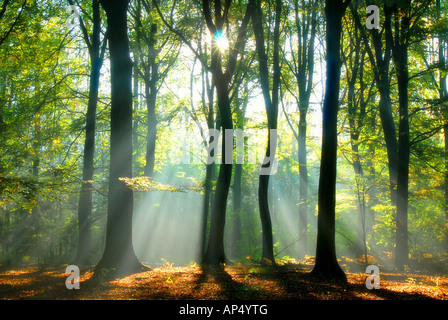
x=145, y=184
x=43, y=102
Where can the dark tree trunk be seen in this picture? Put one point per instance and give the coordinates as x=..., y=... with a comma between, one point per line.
x=119, y=255
x=402, y=249
x=240, y=110
x=237, y=194
x=135, y=121
x=356, y=109
x=151, y=79
x=380, y=59
x=304, y=74
x=214, y=254
x=303, y=188
x=398, y=40
x=271, y=104
x=83, y=255
x=210, y=168
x=208, y=187
x=326, y=265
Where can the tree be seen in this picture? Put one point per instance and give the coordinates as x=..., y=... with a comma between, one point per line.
x=119, y=256
x=8, y=11
x=399, y=44
x=152, y=65
x=96, y=54
x=326, y=262
x=359, y=93
x=214, y=254
x=405, y=22
x=380, y=59
x=302, y=68
x=271, y=105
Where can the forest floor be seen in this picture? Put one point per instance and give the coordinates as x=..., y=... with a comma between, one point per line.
x=290, y=281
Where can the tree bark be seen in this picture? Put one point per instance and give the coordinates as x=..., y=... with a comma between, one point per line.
x=380, y=59
x=271, y=105
x=304, y=75
x=399, y=40
x=119, y=256
x=84, y=254
x=326, y=265
x=151, y=79
x=214, y=254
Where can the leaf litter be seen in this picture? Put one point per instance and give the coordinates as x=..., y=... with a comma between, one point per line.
x=291, y=281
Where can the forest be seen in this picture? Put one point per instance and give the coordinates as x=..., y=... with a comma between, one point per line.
x=219, y=149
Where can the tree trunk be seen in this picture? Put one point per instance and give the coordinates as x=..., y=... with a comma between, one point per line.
x=151, y=79
x=402, y=249
x=303, y=189
x=83, y=255
x=326, y=265
x=208, y=188
x=236, y=193
x=398, y=40
x=271, y=105
x=135, y=126
x=304, y=70
x=214, y=254
x=210, y=166
x=240, y=110
x=380, y=59
x=119, y=256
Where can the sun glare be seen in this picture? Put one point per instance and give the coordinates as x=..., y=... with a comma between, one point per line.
x=221, y=40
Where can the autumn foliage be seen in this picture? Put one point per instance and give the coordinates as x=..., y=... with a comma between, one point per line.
x=290, y=281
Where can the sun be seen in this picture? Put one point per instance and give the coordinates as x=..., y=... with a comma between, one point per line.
x=221, y=40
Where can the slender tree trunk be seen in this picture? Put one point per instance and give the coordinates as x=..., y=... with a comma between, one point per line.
x=382, y=64
x=136, y=119
x=304, y=70
x=303, y=189
x=381, y=59
x=209, y=176
x=326, y=265
x=236, y=192
x=35, y=218
x=83, y=255
x=402, y=249
x=150, y=91
x=119, y=255
x=271, y=104
x=398, y=40
x=84, y=249
x=240, y=110
x=151, y=79
x=210, y=168
x=214, y=254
